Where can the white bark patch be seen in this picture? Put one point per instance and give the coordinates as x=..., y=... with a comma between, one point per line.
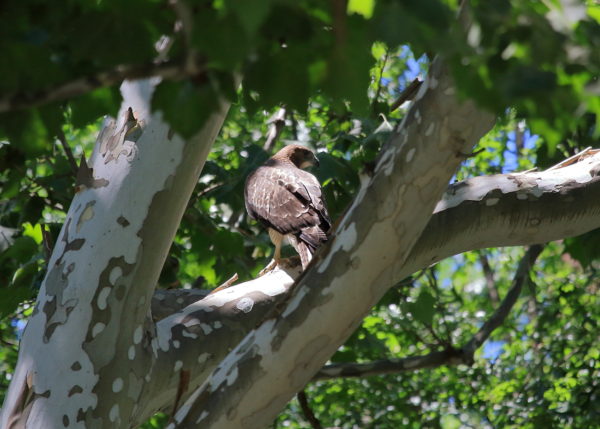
x=137, y=335
x=295, y=301
x=410, y=154
x=205, y=328
x=102, y=297
x=418, y=116
x=386, y=163
x=178, y=365
x=87, y=214
x=131, y=352
x=115, y=274
x=187, y=334
x=532, y=184
x=430, y=129
x=114, y=413
x=203, y=358
x=176, y=344
x=492, y=201
x=98, y=327
x=245, y=304
x=224, y=377
x=202, y=416
x=345, y=240
x=117, y=385
x=217, y=325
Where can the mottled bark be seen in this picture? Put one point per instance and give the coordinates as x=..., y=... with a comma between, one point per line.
x=87, y=348
x=368, y=252
x=92, y=355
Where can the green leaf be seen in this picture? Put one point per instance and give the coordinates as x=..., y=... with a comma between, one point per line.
x=93, y=105
x=22, y=250
x=251, y=13
x=26, y=130
x=361, y=7
x=185, y=105
x=584, y=248
x=25, y=275
x=423, y=308
x=11, y=297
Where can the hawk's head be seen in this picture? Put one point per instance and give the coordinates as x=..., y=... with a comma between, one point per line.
x=300, y=156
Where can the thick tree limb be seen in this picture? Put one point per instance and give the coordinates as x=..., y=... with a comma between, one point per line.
x=373, y=240
x=493, y=213
x=449, y=356
x=92, y=311
x=173, y=69
x=468, y=207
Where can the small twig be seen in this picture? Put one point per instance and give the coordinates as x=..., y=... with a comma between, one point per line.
x=185, y=24
x=306, y=410
x=489, y=278
x=439, y=340
x=47, y=242
x=7, y=343
x=519, y=138
x=407, y=94
x=277, y=122
x=63, y=141
x=384, y=63
x=434, y=284
x=588, y=151
x=225, y=285
x=521, y=277
x=471, y=154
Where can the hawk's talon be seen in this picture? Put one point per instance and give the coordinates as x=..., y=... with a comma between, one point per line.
x=270, y=267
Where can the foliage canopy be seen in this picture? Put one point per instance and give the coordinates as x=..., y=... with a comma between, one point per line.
x=337, y=68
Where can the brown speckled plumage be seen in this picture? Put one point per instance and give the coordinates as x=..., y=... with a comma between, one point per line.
x=288, y=201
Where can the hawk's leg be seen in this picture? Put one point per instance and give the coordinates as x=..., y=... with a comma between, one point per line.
x=277, y=240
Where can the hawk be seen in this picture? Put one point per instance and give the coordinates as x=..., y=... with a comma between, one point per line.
x=288, y=201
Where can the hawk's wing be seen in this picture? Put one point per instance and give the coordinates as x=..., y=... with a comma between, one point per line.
x=290, y=201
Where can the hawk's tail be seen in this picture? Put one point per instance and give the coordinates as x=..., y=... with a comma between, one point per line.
x=305, y=252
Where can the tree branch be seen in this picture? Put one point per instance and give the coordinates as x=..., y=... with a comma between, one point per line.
x=560, y=189
x=493, y=213
x=306, y=410
x=372, y=243
x=277, y=122
x=407, y=94
x=488, y=274
x=172, y=69
x=68, y=152
x=449, y=356
x=521, y=277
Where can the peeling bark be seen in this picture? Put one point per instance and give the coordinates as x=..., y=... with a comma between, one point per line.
x=92, y=355
x=86, y=349
x=374, y=239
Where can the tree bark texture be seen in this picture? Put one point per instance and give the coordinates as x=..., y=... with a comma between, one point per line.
x=92, y=356
x=87, y=349
x=351, y=274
